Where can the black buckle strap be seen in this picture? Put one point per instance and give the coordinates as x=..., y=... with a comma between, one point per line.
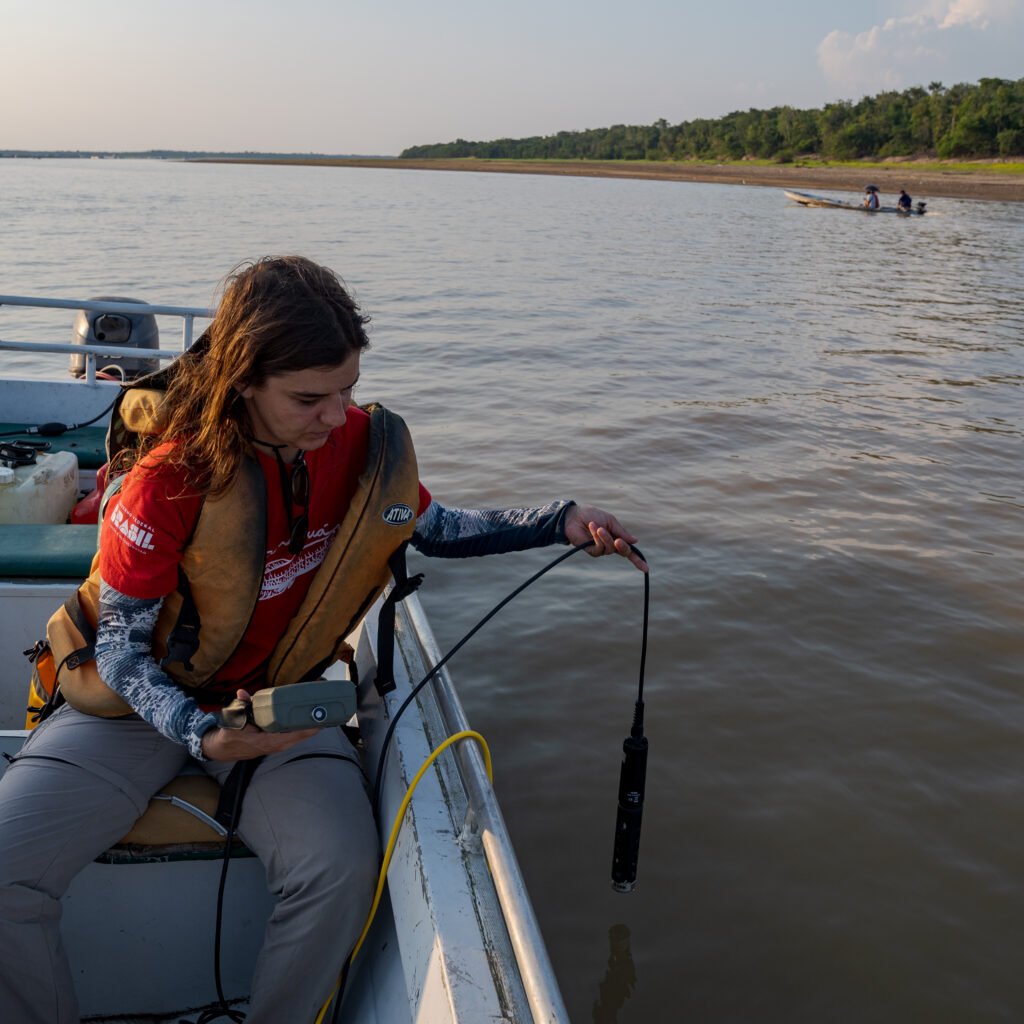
x=229, y=805
x=72, y=660
x=39, y=648
x=183, y=640
x=404, y=586
x=54, y=698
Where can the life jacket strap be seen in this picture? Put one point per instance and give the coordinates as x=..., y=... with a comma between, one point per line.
x=404, y=586
x=88, y=651
x=183, y=640
x=229, y=806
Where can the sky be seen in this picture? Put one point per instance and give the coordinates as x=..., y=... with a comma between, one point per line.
x=373, y=77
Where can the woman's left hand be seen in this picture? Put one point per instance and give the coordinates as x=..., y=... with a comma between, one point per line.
x=584, y=523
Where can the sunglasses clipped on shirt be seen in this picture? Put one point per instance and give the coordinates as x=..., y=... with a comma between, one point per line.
x=299, y=528
x=298, y=486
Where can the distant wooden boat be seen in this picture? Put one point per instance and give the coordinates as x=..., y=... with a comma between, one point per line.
x=807, y=199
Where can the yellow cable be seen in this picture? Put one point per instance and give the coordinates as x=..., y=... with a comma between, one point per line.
x=466, y=734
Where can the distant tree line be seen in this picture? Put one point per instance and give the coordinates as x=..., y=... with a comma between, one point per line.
x=966, y=121
x=167, y=154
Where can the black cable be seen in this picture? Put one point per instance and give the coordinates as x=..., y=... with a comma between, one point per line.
x=89, y=423
x=632, y=779
x=643, y=640
x=341, y=990
x=56, y=429
x=17, y=453
x=430, y=675
x=214, y=1013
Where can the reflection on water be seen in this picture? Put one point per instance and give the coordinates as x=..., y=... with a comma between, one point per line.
x=812, y=422
x=619, y=977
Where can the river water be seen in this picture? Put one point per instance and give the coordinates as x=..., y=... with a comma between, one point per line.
x=812, y=419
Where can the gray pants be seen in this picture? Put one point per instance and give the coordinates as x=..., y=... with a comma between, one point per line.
x=309, y=822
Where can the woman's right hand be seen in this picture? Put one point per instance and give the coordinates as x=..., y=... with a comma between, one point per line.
x=244, y=744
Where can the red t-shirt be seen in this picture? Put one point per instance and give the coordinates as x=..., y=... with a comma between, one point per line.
x=145, y=532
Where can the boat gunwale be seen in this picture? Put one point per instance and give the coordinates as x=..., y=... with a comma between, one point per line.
x=536, y=971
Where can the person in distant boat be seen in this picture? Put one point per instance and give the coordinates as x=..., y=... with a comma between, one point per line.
x=262, y=506
x=871, y=201
x=904, y=202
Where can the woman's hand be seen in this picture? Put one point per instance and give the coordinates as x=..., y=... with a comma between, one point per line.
x=584, y=522
x=243, y=744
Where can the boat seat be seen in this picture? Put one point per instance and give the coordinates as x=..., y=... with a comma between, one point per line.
x=170, y=832
x=49, y=551
x=166, y=831
x=89, y=444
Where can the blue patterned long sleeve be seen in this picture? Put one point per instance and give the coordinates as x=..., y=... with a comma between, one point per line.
x=464, y=533
x=124, y=659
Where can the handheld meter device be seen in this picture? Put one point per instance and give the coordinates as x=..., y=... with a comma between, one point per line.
x=313, y=705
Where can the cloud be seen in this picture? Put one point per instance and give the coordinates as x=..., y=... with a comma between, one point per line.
x=881, y=57
x=860, y=62
x=978, y=13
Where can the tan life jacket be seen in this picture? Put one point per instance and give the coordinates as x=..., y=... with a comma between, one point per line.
x=222, y=570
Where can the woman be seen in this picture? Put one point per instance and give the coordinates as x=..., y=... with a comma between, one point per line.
x=261, y=510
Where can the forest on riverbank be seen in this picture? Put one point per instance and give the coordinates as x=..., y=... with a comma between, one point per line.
x=963, y=121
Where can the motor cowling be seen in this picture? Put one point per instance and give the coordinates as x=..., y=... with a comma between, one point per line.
x=130, y=330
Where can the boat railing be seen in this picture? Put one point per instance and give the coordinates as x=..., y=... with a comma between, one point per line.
x=535, y=969
x=93, y=350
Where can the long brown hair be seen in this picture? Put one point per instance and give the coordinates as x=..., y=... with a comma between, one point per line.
x=278, y=314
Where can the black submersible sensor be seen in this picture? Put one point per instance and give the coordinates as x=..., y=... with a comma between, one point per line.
x=632, y=778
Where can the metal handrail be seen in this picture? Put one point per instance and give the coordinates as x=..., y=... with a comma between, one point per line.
x=89, y=349
x=188, y=315
x=539, y=980
x=106, y=306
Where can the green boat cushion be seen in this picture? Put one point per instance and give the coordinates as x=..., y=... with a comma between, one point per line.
x=88, y=443
x=48, y=551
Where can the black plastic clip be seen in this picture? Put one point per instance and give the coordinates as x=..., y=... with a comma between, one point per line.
x=404, y=586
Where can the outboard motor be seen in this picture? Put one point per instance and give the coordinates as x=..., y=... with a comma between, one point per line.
x=920, y=208
x=132, y=330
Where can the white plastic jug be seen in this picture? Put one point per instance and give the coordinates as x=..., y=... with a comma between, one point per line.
x=43, y=493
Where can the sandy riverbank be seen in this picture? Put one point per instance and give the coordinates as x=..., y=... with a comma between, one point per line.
x=919, y=182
